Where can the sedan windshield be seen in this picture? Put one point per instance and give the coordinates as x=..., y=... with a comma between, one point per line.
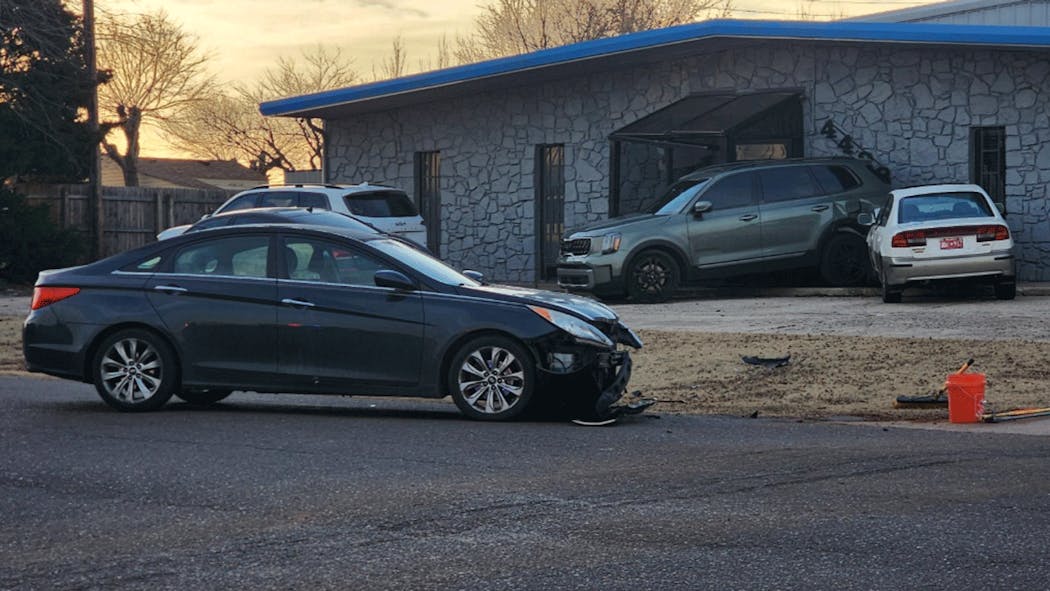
x=678, y=196
x=943, y=206
x=422, y=262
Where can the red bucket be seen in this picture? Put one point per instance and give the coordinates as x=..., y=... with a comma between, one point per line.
x=965, y=397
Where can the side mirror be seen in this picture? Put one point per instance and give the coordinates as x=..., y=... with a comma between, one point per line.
x=394, y=279
x=702, y=207
x=475, y=276
x=865, y=219
x=205, y=216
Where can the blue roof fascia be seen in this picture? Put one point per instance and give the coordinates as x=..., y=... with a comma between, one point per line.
x=983, y=35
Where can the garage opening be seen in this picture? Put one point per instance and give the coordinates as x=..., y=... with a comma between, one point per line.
x=699, y=130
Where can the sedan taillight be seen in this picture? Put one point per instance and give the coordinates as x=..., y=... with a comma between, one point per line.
x=45, y=296
x=918, y=237
x=989, y=233
x=909, y=238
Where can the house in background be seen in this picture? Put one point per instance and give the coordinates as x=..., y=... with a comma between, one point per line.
x=1027, y=13
x=227, y=175
x=504, y=156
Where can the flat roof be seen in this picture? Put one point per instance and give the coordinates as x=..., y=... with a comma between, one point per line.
x=632, y=49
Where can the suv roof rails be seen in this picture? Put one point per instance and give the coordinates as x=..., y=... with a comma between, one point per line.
x=278, y=185
x=325, y=185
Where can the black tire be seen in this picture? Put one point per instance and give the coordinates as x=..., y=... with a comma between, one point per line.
x=203, y=397
x=1006, y=290
x=135, y=370
x=492, y=378
x=891, y=294
x=653, y=276
x=844, y=261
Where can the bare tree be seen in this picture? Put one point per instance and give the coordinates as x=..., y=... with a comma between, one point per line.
x=157, y=72
x=508, y=27
x=229, y=126
x=443, y=59
x=394, y=65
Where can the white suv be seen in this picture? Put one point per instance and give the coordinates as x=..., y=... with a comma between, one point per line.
x=387, y=208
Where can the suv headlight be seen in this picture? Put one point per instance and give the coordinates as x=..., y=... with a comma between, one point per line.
x=580, y=330
x=611, y=243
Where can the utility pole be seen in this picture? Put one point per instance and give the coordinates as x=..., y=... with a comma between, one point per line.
x=95, y=174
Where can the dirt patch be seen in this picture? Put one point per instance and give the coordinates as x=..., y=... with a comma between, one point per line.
x=11, y=345
x=702, y=373
x=828, y=375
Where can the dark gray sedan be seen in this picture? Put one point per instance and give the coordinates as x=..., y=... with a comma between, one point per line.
x=287, y=308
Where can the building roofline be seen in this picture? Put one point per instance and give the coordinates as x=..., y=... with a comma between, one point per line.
x=367, y=95
x=928, y=11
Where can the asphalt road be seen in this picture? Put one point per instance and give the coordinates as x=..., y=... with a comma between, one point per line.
x=271, y=492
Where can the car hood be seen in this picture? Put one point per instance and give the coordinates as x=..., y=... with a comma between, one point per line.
x=615, y=223
x=578, y=305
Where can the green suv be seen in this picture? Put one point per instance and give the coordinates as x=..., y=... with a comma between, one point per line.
x=732, y=219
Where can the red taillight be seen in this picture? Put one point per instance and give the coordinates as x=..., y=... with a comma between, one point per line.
x=918, y=237
x=45, y=296
x=909, y=238
x=989, y=233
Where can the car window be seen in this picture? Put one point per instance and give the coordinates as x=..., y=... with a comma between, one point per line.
x=279, y=199
x=384, y=204
x=308, y=259
x=678, y=196
x=239, y=256
x=732, y=191
x=835, y=179
x=315, y=200
x=243, y=202
x=787, y=182
x=943, y=206
x=146, y=266
x=212, y=222
x=422, y=262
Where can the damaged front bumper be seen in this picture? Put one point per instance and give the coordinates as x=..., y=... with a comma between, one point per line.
x=589, y=380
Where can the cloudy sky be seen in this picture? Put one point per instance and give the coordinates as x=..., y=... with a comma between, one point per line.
x=244, y=37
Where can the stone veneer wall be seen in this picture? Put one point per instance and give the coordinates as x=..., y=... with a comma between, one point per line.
x=911, y=107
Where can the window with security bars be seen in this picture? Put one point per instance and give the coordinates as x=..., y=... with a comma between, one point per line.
x=988, y=160
x=550, y=206
x=428, y=195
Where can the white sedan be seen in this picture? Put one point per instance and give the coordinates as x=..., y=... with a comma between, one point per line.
x=940, y=232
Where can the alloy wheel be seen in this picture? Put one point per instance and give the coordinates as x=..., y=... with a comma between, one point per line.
x=491, y=380
x=132, y=370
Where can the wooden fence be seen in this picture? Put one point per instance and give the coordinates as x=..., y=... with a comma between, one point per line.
x=132, y=215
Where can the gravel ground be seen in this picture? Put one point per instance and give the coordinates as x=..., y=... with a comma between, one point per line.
x=850, y=356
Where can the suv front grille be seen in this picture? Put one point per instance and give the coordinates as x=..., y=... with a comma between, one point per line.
x=577, y=246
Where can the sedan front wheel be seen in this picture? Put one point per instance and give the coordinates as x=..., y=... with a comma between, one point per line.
x=492, y=378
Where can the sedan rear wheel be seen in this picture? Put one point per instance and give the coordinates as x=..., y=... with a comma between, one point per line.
x=1006, y=290
x=891, y=294
x=134, y=370
x=492, y=379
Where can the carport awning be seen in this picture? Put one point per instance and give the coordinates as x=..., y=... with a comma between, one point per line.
x=703, y=118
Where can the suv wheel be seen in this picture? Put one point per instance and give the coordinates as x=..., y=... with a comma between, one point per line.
x=844, y=261
x=653, y=276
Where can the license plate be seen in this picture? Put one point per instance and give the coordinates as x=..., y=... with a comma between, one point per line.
x=950, y=243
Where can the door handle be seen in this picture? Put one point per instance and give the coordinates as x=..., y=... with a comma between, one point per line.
x=171, y=289
x=748, y=217
x=297, y=303
x=819, y=207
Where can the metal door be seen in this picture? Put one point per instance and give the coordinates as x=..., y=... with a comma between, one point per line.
x=550, y=207
x=428, y=196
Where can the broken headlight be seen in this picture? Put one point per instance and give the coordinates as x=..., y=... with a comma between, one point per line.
x=580, y=330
